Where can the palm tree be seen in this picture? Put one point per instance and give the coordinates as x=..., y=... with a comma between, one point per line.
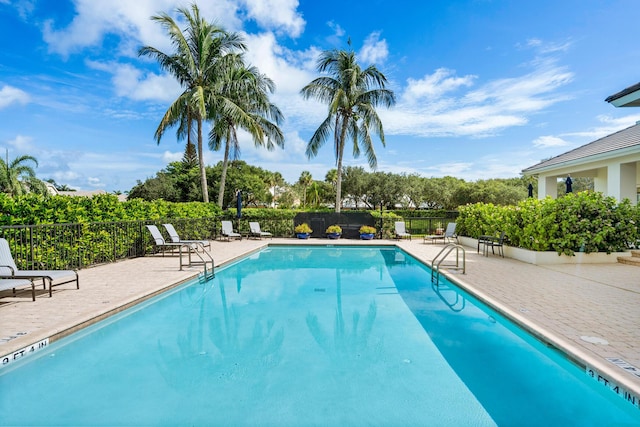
x=198, y=51
x=352, y=95
x=17, y=177
x=305, y=180
x=241, y=101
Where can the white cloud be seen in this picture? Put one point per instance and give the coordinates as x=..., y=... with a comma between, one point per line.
x=11, y=95
x=434, y=106
x=170, y=156
x=95, y=182
x=549, y=141
x=609, y=125
x=95, y=19
x=547, y=48
x=130, y=82
x=130, y=21
x=290, y=71
x=337, y=29
x=23, y=144
x=435, y=85
x=278, y=15
x=374, y=50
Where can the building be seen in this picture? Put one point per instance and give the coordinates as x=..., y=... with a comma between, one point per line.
x=613, y=162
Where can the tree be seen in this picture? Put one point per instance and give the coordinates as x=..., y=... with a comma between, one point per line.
x=18, y=177
x=414, y=189
x=355, y=183
x=198, y=52
x=241, y=101
x=305, y=181
x=352, y=95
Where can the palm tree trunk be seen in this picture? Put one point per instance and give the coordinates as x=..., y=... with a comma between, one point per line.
x=203, y=173
x=223, y=177
x=343, y=133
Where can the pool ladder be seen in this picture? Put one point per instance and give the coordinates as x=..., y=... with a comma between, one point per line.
x=436, y=263
x=206, y=274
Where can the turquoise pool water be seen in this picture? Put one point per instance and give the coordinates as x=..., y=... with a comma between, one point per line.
x=297, y=336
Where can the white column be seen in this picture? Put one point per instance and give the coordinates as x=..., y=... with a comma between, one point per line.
x=600, y=181
x=622, y=181
x=547, y=186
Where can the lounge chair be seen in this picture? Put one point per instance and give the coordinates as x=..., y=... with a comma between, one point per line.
x=6, y=284
x=400, y=231
x=449, y=234
x=160, y=243
x=227, y=231
x=255, y=231
x=175, y=238
x=9, y=270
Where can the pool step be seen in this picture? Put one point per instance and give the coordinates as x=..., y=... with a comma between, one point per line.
x=634, y=259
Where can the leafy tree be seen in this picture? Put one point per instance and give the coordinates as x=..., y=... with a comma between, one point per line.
x=241, y=101
x=352, y=95
x=384, y=189
x=495, y=191
x=414, y=186
x=253, y=181
x=355, y=183
x=439, y=192
x=195, y=63
x=18, y=177
x=162, y=186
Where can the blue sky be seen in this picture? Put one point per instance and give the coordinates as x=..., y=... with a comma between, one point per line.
x=485, y=88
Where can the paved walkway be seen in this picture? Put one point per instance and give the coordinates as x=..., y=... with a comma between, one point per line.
x=589, y=311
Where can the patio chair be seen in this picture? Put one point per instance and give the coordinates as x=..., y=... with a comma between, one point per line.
x=227, y=231
x=400, y=231
x=449, y=234
x=255, y=231
x=6, y=284
x=175, y=238
x=492, y=242
x=161, y=244
x=9, y=270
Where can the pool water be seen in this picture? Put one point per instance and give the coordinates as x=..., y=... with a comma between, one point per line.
x=297, y=336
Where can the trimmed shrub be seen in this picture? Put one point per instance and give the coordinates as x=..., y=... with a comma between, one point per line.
x=578, y=222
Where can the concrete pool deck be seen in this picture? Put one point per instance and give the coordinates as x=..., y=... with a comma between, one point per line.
x=591, y=312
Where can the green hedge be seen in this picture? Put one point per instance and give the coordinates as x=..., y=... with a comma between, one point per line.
x=32, y=209
x=578, y=222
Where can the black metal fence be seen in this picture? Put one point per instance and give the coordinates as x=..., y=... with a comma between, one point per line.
x=80, y=245
x=428, y=225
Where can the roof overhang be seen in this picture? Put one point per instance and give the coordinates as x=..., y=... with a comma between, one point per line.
x=579, y=162
x=629, y=97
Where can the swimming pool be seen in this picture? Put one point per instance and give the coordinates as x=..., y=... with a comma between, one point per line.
x=307, y=336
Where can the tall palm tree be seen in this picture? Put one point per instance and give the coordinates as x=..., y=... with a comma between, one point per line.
x=198, y=51
x=18, y=177
x=241, y=101
x=352, y=95
x=305, y=180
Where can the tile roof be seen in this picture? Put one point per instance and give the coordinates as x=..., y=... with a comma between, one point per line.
x=624, y=139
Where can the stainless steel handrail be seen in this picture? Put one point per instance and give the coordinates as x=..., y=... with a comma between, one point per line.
x=435, y=268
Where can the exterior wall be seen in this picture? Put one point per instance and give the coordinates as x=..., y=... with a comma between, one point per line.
x=618, y=177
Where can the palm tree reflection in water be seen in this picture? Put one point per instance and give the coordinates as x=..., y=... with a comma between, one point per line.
x=217, y=353
x=347, y=344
